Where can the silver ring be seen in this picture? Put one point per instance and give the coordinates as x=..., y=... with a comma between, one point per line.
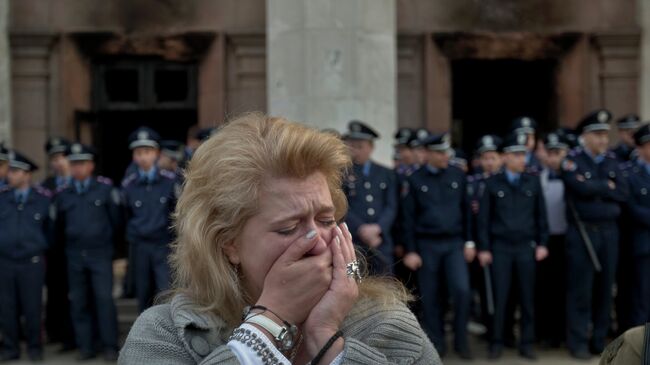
x=353, y=271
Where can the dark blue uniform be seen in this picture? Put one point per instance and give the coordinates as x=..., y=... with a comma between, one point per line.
x=639, y=211
x=26, y=228
x=512, y=222
x=88, y=214
x=435, y=210
x=57, y=309
x=372, y=198
x=149, y=204
x=598, y=207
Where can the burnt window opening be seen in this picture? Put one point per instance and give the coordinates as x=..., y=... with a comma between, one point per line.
x=136, y=84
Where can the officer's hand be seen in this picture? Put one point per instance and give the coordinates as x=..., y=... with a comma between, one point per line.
x=475, y=207
x=413, y=261
x=375, y=242
x=541, y=253
x=611, y=184
x=580, y=178
x=365, y=233
x=470, y=253
x=485, y=258
x=399, y=251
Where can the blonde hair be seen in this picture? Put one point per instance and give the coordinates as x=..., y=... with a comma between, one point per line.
x=222, y=186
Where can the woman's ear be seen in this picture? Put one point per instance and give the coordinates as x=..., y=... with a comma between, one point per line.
x=232, y=253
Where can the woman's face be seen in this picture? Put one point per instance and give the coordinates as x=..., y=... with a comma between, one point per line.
x=288, y=210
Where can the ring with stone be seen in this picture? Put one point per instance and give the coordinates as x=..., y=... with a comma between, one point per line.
x=353, y=271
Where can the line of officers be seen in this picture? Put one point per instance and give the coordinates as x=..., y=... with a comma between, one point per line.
x=62, y=233
x=539, y=225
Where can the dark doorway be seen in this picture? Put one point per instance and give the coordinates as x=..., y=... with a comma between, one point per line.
x=129, y=93
x=488, y=94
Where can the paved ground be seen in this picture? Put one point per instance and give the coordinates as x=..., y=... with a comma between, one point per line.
x=550, y=357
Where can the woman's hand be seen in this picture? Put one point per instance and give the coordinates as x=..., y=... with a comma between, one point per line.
x=328, y=315
x=296, y=283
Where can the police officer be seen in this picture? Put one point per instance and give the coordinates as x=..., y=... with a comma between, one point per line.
x=25, y=223
x=625, y=275
x=4, y=165
x=406, y=164
x=372, y=198
x=595, y=188
x=417, y=145
x=406, y=158
x=88, y=212
x=172, y=157
x=55, y=148
x=435, y=210
x=639, y=209
x=626, y=125
x=513, y=232
x=58, y=323
x=551, y=275
x=149, y=196
x=458, y=158
x=490, y=162
x=528, y=126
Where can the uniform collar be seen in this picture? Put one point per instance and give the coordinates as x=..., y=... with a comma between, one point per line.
x=82, y=186
x=432, y=170
x=513, y=177
x=22, y=195
x=148, y=176
x=596, y=159
x=62, y=180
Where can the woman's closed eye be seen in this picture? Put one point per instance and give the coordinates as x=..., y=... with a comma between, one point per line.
x=328, y=223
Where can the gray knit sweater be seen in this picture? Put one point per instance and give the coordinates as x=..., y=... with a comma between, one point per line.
x=175, y=334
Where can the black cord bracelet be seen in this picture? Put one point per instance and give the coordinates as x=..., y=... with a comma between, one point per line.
x=264, y=309
x=327, y=346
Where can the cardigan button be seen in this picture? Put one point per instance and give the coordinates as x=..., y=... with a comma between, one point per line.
x=200, y=345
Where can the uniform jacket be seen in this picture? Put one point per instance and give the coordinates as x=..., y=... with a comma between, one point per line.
x=435, y=206
x=26, y=229
x=586, y=187
x=88, y=220
x=512, y=215
x=149, y=207
x=639, y=208
x=371, y=199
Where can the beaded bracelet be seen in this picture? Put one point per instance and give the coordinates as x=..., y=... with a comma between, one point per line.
x=325, y=348
x=250, y=339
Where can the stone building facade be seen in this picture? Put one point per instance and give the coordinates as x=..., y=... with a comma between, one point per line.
x=94, y=70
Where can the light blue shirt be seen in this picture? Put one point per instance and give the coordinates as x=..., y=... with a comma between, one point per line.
x=597, y=159
x=366, y=168
x=82, y=186
x=433, y=170
x=147, y=176
x=21, y=195
x=513, y=177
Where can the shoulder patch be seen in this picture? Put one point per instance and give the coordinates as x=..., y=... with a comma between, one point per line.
x=167, y=174
x=41, y=190
x=568, y=165
x=129, y=179
x=104, y=180
x=61, y=189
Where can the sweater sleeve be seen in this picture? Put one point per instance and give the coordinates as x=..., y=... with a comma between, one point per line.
x=154, y=340
x=395, y=337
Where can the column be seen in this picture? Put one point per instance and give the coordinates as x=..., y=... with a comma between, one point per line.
x=331, y=61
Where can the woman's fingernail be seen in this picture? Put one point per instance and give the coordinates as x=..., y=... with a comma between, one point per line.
x=338, y=229
x=311, y=234
x=337, y=240
x=346, y=226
